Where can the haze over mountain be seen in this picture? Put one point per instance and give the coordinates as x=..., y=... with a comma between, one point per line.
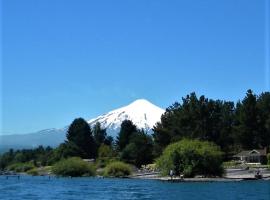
x=141, y=112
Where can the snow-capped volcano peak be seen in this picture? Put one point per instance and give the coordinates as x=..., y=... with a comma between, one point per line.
x=141, y=112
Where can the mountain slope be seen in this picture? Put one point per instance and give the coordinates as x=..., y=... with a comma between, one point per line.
x=141, y=112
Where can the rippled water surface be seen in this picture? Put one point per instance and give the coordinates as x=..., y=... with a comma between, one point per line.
x=34, y=188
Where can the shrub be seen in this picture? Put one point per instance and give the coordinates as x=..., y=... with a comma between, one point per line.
x=21, y=167
x=40, y=171
x=105, y=151
x=117, y=169
x=74, y=167
x=33, y=172
x=191, y=157
x=268, y=159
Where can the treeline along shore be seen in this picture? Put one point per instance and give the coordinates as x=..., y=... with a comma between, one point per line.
x=196, y=136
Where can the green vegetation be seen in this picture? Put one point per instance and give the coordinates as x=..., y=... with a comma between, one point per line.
x=100, y=136
x=126, y=131
x=189, y=139
x=39, y=156
x=106, y=154
x=80, y=134
x=231, y=164
x=191, y=157
x=21, y=167
x=268, y=159
x=135, y=146
x=37, y=171
x=33, y=172
x=139, y=150
x=117, y=169
x=246, y=126
x=73, y=167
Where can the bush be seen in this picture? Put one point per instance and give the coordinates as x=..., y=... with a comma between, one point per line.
x=105, y=151
x=191, y=157
x=33, y=172
x=21, y=167
x=41, y=171
x=74, y=167
x=268, y=159
x=117, y=169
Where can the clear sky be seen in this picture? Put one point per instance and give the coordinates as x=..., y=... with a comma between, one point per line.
x=63, y=59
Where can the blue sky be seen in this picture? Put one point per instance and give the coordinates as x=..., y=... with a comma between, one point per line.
x=63, y=59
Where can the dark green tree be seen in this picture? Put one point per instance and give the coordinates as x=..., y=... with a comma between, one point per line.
x=246, y=125
x=263, y=106
x=127, y=129
x=80, y=134
x=99, y=134
x=195, y=118
x=139, y=151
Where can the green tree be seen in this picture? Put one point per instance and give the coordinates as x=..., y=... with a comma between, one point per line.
x=195, y=118
x=99, y=134
x=105, y=151
x=139, y=151
x=191, y=157
x=263, y=105
x=80, y=134
x=127, y=129
x=246, y=126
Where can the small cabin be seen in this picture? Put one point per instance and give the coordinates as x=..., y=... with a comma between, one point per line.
x=255, y=156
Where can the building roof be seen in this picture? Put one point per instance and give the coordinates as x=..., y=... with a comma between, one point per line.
x=261, y=152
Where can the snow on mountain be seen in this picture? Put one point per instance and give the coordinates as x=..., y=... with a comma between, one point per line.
x=141, y=112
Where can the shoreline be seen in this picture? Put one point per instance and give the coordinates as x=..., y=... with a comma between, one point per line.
x=156, y=178
x=230, y=176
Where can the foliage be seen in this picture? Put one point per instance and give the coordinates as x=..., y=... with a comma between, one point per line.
x=191, y=157
x=139, y=151
x=99, y=134
x=33, y=172
x=40, y=171
x=231, y=164
x=73, y=167
x=117, y=169
x=80, y=134
x=105, y=155
x=246, y=126
x=66, y=150
x=40, y=156
x=21, y=167
x=127, y=129
x=105, y=151
x=268, y=159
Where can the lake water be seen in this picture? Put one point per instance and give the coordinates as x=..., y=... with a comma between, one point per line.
x=34, y=188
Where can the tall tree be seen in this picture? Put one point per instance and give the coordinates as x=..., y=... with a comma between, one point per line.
x=263, y=105
x=99, y=134
x=80, y=134
x=247, y=127
x=139, y=151
x=127, y=129
x=196, y=118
